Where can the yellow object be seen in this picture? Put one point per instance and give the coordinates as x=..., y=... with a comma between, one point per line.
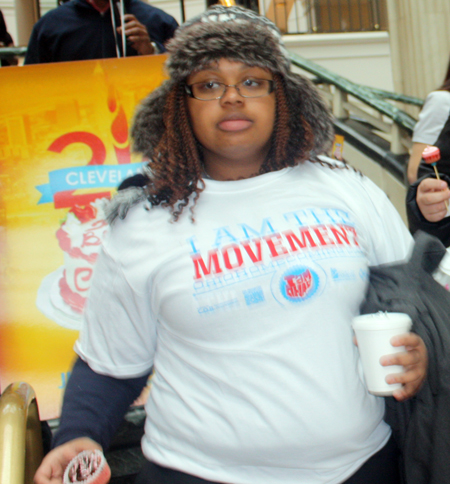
x=63, y=134
x=21, y=450
x=337, y=151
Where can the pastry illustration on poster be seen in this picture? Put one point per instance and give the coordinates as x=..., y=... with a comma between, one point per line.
x=62, y=294
x=64, y=150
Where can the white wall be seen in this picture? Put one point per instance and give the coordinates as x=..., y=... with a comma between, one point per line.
x=362, y=57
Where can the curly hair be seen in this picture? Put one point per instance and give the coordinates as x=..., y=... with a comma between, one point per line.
x=176, y=165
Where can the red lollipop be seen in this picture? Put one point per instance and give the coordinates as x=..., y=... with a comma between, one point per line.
x=431, y=155
x=88, y=467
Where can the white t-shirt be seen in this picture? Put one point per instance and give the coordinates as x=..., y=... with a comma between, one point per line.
x=432, y=117
x=246, y=315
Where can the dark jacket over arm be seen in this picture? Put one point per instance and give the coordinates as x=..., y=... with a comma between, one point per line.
x=420, y=425
x=417, y=221
x=94, y=405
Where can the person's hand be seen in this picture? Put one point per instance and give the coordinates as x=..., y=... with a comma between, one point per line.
x=415, y=362
x=51, y=471
x=137, y=34
x=431, y=197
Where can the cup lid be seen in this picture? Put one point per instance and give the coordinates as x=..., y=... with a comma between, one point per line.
x=382, y=320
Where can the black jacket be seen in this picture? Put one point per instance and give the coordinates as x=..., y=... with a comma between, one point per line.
x=77, y=31
x=416, y=220
x=421, y=425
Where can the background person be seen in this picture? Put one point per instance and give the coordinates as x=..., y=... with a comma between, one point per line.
x=427, y=197
x=83, y=30
x=432, y=119
x=235, y=272
x=6, y=41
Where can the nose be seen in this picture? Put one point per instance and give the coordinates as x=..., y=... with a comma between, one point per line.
x=231, y=95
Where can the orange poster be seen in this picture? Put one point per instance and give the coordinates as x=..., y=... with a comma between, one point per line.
x=64, y=149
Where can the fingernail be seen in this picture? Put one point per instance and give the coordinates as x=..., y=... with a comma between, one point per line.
x=385, y=361
x=394, y=340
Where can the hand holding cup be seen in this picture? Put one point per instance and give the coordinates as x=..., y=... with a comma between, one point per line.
x=394, y=361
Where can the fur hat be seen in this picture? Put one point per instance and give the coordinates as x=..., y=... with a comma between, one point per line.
x=237, y=34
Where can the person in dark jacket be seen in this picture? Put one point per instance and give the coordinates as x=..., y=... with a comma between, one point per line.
x=428, y=198
x=431, y=124
x=88, y=29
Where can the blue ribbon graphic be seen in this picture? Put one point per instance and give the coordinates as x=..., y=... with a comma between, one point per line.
x=91, y=176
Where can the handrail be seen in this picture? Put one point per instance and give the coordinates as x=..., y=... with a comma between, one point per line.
x=365, y=94
x=393, y=96
x=8, y=52
x=21, y=449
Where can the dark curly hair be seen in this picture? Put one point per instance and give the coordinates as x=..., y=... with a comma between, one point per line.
x=176, y=164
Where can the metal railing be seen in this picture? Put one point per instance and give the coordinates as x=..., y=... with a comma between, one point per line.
x=11, y=52
x=348, y=98
x=21, y=449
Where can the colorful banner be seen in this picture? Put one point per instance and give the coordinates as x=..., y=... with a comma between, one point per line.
x=64, y=149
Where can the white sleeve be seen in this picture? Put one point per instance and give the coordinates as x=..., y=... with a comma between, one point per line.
x=432, y=118
x=386, y=237
x=118, y=336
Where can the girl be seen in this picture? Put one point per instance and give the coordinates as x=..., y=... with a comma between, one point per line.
x=432, y=119
x=235, y=270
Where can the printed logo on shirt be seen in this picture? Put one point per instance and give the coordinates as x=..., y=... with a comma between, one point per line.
x=253, y=296
x=263, y=251
x=282, y=258
x=299, y=284
x=342, y=275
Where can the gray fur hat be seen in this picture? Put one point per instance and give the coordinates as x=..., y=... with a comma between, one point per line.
x=237, y=34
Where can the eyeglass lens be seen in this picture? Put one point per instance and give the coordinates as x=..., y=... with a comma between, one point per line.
x=215, y=90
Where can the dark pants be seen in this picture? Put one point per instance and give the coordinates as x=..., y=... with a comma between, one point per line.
x=381, y=468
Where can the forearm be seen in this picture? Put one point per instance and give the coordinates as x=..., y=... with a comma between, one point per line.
x=94, y=405
x=414, y=161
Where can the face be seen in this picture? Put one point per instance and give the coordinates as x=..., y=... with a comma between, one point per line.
x=234, y=131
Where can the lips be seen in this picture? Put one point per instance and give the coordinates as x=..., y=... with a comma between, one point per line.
x=235, y=122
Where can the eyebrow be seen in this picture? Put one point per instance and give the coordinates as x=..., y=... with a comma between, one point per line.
x=216, y=69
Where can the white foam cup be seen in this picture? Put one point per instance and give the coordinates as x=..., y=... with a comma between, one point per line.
x=373, y=333
x=442, y=273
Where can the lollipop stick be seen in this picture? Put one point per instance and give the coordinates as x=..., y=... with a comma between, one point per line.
x=438, y=177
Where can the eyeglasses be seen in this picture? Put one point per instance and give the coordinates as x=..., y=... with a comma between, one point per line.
x=210, y=90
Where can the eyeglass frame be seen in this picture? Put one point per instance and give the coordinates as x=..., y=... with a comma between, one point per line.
x=188, y=89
